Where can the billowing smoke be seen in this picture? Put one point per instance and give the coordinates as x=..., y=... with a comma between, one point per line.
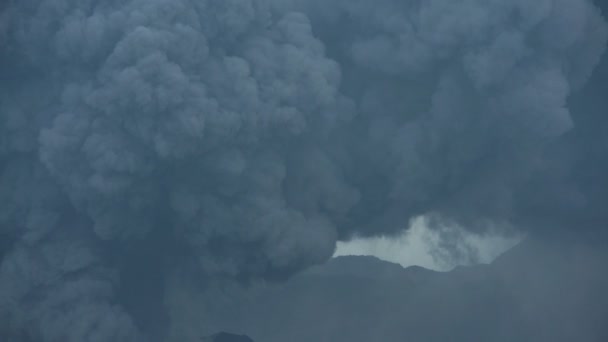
x=147, y=139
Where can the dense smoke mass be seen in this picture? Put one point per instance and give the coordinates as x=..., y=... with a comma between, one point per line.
x=149, y=143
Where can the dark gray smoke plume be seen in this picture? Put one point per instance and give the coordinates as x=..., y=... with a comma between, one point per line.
x=147, y=140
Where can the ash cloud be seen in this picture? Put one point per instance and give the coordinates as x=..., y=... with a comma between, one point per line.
x=242, y=139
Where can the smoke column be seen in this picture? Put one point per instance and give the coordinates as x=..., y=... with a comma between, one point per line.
x=143, y=140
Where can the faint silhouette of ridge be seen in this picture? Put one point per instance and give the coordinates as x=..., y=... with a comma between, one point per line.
x=227, y=337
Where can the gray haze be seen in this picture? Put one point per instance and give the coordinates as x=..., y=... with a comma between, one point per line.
x=152, y=145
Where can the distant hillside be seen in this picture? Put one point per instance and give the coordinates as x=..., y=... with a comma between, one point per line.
x=227, y=337
x=363, y=299
x=365, y=266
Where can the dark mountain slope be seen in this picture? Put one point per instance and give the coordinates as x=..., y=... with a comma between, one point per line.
x=535, y=292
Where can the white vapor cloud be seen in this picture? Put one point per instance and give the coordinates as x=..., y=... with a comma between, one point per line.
x=423, y=246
